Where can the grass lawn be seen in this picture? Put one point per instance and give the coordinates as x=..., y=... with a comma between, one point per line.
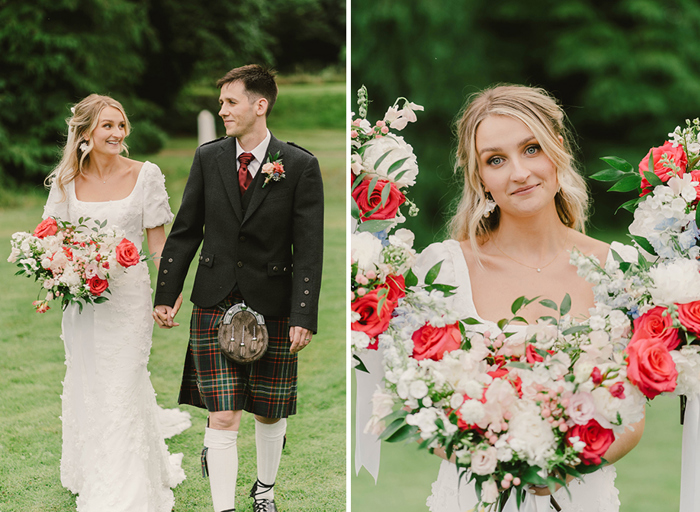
x=312, y=473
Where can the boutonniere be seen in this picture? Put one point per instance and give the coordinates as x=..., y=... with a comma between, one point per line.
x=273, y=169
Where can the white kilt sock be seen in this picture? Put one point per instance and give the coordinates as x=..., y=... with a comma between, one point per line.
x=269, y=439
x=222, y=462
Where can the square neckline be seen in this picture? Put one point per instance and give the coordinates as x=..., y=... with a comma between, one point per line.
x=138, y=178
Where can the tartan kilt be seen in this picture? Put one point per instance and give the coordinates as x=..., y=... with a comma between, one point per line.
x=266, y=387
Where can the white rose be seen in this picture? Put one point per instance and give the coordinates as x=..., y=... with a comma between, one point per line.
x=366, y=250
x=484, y=461
x=397, y=149
x=418, y=389
x=676, y=281
x=402, y=238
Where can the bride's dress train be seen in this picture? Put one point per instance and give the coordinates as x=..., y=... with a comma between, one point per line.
x=114, y=454
x=596, y=493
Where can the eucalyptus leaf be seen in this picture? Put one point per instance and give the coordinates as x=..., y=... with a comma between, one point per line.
x=565, y=306
x=381, y=159
x=374, y=226
x=396, y=166
x=549, y=304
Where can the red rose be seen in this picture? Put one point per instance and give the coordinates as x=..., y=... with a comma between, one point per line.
x=650, y=366
x=432, y=342
x=397, y=287
x=127, y=254
x=689, y=315
x=654, y=324
x=367, y=204
x=97, y=285
x=597, y=439
x=617, y=390
x=372, y=321
x=596, y=376
x=676, y=155
x=532, y=355
x=46, y=227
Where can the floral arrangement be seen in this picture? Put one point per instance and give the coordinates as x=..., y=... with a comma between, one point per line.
x=273, y=170
x=383, y=167
x=522, y=406
x=657, y=282
x=74, y=264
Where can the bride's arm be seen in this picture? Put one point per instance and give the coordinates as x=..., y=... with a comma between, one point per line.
x=625, y=442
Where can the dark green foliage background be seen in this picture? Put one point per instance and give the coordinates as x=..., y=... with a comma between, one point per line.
x=627, y=73
x=152, y=55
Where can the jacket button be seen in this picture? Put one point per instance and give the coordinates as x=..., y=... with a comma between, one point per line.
x=170, y=260
x=241, y=238
x=201, y=258
x=275, y=268
x=165, y=271
x=240, y=264
x=285, y=269
x=306, y=292
x=303, y=304
x=306, y=279
x=206, y=260
x=162, y=283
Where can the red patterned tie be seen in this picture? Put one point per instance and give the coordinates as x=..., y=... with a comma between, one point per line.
x=244, y=176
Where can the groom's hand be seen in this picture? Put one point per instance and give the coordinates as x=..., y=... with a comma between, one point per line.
x=299, y=337
x=165, y=315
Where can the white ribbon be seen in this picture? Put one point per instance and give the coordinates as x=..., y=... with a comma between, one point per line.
x=367, y=445
x=690, y=465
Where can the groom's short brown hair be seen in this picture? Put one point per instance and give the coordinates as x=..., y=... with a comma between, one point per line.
x=256, y=79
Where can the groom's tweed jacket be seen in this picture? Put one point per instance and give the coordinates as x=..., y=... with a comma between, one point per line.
x=271, y=248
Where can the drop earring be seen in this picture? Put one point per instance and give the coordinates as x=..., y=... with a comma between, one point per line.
x=490, y=205
x=84, y=147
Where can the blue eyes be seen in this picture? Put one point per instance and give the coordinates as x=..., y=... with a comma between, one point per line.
x=532, y=150
x=495, y=160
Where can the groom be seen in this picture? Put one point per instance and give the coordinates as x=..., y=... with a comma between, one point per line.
x=262, y=245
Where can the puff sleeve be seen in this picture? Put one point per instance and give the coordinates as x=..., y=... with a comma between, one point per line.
x=56, y=205
x=156, y=209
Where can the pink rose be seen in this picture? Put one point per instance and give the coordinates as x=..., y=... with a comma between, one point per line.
x=97, y=285
x=47, y=227
x=650, y=366
x=597, y=439
x=676, y=155
x=127, y=254
x=618, y=390
x=581, y=408
x=367, y=204
x=432, y=342
x=596, y=376
x=689, y=315
x=654, y=324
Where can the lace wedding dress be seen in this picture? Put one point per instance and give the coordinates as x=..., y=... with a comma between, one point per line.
x=114, y=454
x=596, y=493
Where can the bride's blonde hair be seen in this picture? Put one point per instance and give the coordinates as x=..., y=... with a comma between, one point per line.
x=86, y=115
x=545, y=118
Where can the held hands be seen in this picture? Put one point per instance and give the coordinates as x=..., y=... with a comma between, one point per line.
x=165, y=315
x=299, y=337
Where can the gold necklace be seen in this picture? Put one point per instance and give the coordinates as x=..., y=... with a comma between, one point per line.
x=539, y=269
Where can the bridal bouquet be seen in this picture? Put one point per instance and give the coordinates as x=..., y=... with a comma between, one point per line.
x=514, y=408
x=74, y=264
x=658, y=283
x=383, y=167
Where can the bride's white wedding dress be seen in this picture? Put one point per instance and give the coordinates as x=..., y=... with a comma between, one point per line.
x=596, y=493
x=114, y=454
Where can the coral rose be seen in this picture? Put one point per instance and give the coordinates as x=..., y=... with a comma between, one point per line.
x=654, y=324
x=689, y=315
x=368, y=203
x=127, y=254
x=677, y=155
x=97, y=285
x=432, y=342
x=47, y=227
x=597, y=439
x=397, y=287
x=650, y=366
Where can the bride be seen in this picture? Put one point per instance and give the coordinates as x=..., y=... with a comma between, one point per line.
x=522, y=210
x=114, y=454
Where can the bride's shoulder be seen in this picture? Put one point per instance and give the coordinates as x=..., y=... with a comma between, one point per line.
x=590, y=246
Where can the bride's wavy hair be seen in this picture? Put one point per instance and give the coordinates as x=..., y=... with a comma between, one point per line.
x=86, y=115
x=545, y=118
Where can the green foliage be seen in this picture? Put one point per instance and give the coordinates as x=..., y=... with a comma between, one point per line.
x=626, y=72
